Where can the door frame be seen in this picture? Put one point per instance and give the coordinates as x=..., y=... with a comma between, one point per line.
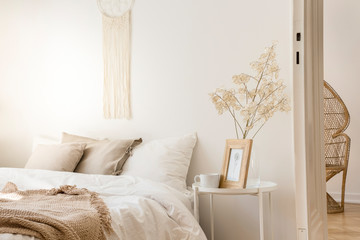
x=308, y=75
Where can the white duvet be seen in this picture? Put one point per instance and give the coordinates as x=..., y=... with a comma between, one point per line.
x=140, y=208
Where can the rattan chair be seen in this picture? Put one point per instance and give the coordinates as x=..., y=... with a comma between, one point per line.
x=337, y=143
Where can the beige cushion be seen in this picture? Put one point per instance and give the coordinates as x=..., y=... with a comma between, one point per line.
x=102, y=156
x=57, y=157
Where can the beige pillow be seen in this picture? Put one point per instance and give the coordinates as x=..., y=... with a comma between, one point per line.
x=56, y=157
x=102, y=156
x=66, y=138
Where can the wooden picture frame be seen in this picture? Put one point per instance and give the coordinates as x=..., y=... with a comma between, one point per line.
x=236, y=163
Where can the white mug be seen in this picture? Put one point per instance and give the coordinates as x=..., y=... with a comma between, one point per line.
x=210, y=180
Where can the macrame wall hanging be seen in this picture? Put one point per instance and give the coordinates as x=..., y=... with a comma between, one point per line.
x=116, y=19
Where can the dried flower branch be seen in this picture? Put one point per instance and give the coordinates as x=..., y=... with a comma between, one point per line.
x=256, y=98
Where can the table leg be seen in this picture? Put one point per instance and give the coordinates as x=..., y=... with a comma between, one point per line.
x=212, y=216
x=270, y=214
x=196, y=204
x=261, y=215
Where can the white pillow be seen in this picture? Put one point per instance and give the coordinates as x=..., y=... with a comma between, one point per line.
x=166, y=160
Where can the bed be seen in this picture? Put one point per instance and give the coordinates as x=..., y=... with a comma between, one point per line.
x=141, y=206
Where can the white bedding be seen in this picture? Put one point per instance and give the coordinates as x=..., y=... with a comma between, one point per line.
x=140, y=208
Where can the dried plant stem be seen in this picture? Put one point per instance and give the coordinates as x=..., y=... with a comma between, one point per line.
x=244, y=136
x=261, y=100
x=237, y=100
x=252, y=100
x=247, y=92
x=270, y=109
x=258, y=130
x=256, y=90
x=251, y=77
x=270, y=94
x=262, y=74
x=236, y=130
x=229, y=109
x=256, y=98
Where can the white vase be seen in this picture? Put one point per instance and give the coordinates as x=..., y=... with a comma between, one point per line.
x=253, y=179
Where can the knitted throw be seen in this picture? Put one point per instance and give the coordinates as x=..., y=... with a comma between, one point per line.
x=56, y=214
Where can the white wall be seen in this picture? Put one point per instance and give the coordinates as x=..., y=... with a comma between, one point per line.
x=51, y=81
x=341, y=56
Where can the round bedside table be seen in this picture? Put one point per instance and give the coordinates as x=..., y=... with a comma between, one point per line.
x=264, y=187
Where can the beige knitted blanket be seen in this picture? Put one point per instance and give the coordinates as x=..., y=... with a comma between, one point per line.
x=64, y=213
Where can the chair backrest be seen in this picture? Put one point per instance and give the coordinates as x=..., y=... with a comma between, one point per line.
x=336, y=120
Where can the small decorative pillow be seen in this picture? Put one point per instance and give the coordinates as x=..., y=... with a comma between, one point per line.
x=102, y=156
x=56, y=157
x=166, y=160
